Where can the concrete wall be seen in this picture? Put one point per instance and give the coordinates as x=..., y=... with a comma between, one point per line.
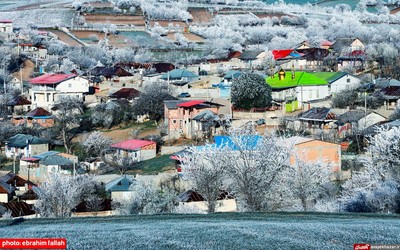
x=146, y=154
x=4, y=198
x=309, y=93
x=121, y=196
x=91, y=214
x=165, y=150
x=38, y=149
x=201, y=206
x=316, y=150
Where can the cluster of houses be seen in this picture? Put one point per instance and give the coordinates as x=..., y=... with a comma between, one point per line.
x=299, y=77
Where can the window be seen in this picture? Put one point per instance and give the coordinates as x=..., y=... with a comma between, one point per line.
x=348, y=80
x=69, y=85
x=173, y=121
x=180, y=124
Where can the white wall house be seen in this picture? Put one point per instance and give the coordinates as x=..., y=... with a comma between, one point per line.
x=346, y=82
x=47, y=89
x=6, y=26
x=36, y=52
x=369, y=120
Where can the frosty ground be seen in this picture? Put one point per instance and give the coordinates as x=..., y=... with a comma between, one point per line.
x=215, y=231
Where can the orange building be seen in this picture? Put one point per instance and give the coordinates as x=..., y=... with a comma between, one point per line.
x=310, y=150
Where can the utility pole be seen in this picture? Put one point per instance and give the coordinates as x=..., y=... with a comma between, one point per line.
x=14, y=162
x=365, y=102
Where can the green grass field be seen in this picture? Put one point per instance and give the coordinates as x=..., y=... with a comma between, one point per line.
x=215, y=231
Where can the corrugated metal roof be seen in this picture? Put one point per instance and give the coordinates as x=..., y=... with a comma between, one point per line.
x=392, y=92
x=8, y=188
x=206, y=115
x=57, y=160
x=190, y=103
x=19, y=101
x=38, y=112
x=132, y=144
x=120, y=184
x=125, y=93
x=172, y=104
x=317, y=114
x=30, y=159
x=178, y=74
x=51, y=78
x=249, y=55
x=22, y=140
x=279, y=54
x=19, y=208
x=352, y=116
x=248, y=141
x=45, y=154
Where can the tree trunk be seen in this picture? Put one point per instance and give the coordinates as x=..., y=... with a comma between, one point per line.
x=304, y=204
x=65, y=141
x=211, y=205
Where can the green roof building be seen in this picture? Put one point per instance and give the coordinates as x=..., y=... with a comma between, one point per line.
x=298, y=86
x=299, y=79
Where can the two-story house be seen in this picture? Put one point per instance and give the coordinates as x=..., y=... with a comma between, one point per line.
x=179, y=116
x=47, y=89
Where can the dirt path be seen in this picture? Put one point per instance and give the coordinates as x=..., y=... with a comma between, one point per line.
x=27, y=71
x=62, y=36
x=118, y=135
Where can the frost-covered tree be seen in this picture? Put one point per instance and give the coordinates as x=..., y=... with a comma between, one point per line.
x=380, y=176
x=111, y=114
x=205, y=169
x=306, y=180
x=60, y=194
x=67, y=65
x=94, y=203
x=95, y=142
x=255, y=166
x=344, y=99
x=151, y=100
x=67, y=118
x=250, y=91
x=116, y=161
x=384, y=152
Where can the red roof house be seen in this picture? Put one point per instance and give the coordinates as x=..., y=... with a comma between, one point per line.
x=139, y=150
x=279, y=54
x=47, y=89
x=179, y=115
x=51, y=78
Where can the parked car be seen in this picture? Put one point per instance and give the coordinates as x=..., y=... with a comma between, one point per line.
x=184, y=95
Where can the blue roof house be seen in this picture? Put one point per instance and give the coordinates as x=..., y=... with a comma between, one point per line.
x=120, y=188
x=179, y=77
x=22, y=145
